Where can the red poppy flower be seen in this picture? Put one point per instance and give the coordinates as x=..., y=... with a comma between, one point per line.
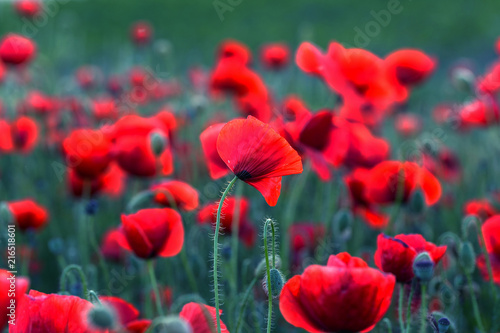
x=230, y=210
x=49, y=313
x=6, y=299
x=258, y=155
x=128, y=315
x=153, y=232
x=478, y=113
x=445, y=165
x=408, y=124
x=28, y=8
x=3, y=73
x=24, y=132
x=201, y=318
x=396, y=254
x=110, y=246
x=5, y=137
x=364, y=149
x=165, y=295
x=256, y=105
x=39, y=103
x=234, y=50
x=111, y=182
x=304, y=238
x=491, y=233
x=232, y=77
x=384, y=179
x=88, y=152
x=88, y=76
x=481, y=208
x=176, y=194
x=141, y=33
x=16, y=49
x=104, y=108
x=344, y=296
x=216, y=166
x=275, y=56
x=28, y=214
x=490, y=82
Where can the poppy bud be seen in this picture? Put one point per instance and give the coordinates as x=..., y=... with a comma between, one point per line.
x=443, y=325
x=417, y=202
x=447, y=295
x=172, y=324
x=56, y=246
x=5, y=214
x=277, y=282
x=463, y=79
x=467, y=257
x=342, y=223
x=102, y=317
x=423, y=267
x=158, y=142
x=261, y=267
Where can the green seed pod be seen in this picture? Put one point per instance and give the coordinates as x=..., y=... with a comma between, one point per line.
x=443, y=325
x=423, y=267
x=260, y=270
x=171, y=324
x=102, y=317
x=277, y=282
x=342, y=223
x=158, y=142
x=416, y=204
x=467, y=257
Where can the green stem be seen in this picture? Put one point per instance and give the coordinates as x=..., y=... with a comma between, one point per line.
x=216, y=250
x=423, y=308
x=400, y=306
x=64, y=276
x=82, y=223
x=151, y=269
x=92, y=294
x=234, y=241
x=387, y=323
x=95, y=246
x=475, y=307
x=244, y=303
x=269, y=285
x=408, y=307
x=189, y=271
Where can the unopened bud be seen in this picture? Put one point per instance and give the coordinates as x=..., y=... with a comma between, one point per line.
x=277, y=282
x=423, y=267
x=447, y=295
x=260, y=270
x=417, y=202
x=172, y=324
x=342, y=223
x=158, y=142
x=463, y=79
x=102, y=317
x=467, y=257
x=443, y=325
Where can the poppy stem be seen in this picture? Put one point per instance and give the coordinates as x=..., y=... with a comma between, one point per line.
x=475, y=307
x=423, y=308
x=408, y=307
x=64, y=276
x=189, y=271
x=95, y=246
x=216, y=250
x=268, y=272
x=234, y=240
x=387, y=323
x=93, y=295
x=82, y=226
x=151, y=269
x=244, y=303
x=400, y=306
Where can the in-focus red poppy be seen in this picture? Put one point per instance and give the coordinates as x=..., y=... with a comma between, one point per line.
x=176, y=194
x=258, y=155
x=28, y=214
x=21, y=284
x=201, y=318
x=110, y=246
x=275, y=56
x=128, y=315
x=396, y=254
x=234, y=50
x=16, y=49
x=216, y=166
x=387, y=177
x=304, y=238
x=344, y=296
x=408, y=124
x=491, y=233
x=231, y=210
x=24, y=133
x=481, y=208
x=28, y=8
x=88, y=152
x=152, y=232
x=141, y=32
x=49, y=313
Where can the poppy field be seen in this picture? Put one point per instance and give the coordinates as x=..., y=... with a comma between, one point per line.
x=187, y=169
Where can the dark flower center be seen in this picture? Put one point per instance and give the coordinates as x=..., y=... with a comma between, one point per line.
x=244, y=175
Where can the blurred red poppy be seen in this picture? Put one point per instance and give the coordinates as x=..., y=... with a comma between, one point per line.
x=24, y=132
x=176, y=194
x=88, y=77
x=490, y=82
x=445, y=165
x=38, y=103
x=491, y=233
x=141, y=32
x=49, y=313
x=128, y=315
x=304, y=238
x=28, y=214
x=275, y=56
x=111, y=182
x=104, y=108
x=216, y=166
x=478, y=113
x=408, y=124
x=21, y=284
x=481, y=208
x=88, y=152
x=258, y=155
x=28, y=8
x=16, y=49
x=344, y=296
x=5, y=137
x=201, y=318
x=396, y=254
x=232, y=209
x=110, y=246
x=365, y=150
x=234, y=50
x=152, y=232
